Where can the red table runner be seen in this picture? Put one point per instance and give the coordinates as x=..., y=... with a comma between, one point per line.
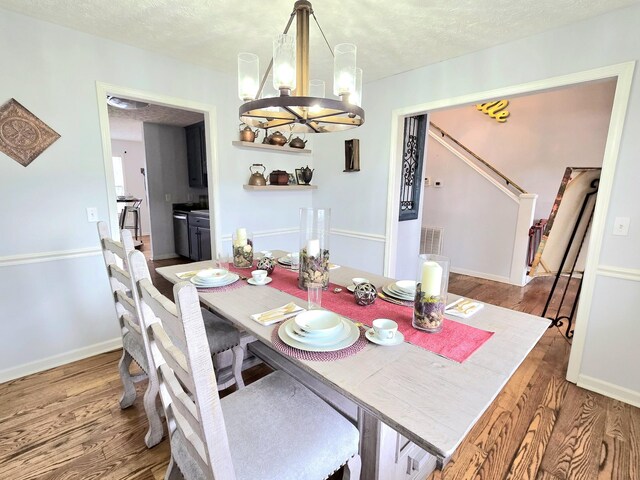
x=456, y=341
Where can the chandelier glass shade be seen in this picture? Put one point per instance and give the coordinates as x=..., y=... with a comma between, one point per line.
x=299, y=103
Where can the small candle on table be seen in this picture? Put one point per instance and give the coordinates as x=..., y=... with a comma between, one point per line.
x=313, y=248
x=431, y=279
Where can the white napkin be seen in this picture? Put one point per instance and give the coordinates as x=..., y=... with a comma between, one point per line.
x=276, y=315
x=463, y=308
x=186, y=275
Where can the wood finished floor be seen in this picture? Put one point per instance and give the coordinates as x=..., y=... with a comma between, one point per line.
x=65, y=423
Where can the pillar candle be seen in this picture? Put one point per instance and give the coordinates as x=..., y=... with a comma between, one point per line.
x=241, y=237
x=431, y=279
x=313, y=248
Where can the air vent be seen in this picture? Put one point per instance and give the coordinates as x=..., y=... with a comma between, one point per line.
x=431, y=240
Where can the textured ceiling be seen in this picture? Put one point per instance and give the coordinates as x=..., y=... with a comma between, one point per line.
x=392, y=36
x=158, y=114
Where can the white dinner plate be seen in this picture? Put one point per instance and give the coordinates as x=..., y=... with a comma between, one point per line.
x=267, y=281
x=407, y=286
x=372, y=337
x=394, y=293
x=354, y=334
x=228, y=280
x=211, y=281
x=339, y=336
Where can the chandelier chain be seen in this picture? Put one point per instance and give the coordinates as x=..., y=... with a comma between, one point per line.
x=323, y=35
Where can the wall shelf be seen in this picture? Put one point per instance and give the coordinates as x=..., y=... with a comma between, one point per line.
x=280, y=187
x=273, y=148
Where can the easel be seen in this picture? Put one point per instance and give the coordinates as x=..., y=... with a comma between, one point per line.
x=557, y=320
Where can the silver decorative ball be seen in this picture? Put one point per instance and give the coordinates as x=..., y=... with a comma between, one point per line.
x=365, y=294
x=267, y=263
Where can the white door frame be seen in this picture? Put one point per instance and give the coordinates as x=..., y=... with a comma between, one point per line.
x=623, y=72
x=211, y=135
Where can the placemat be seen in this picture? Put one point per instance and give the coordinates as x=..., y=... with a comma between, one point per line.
x=317, y=356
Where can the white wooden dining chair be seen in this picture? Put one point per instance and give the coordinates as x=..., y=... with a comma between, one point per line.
x=221, y=335
x=133, y=345
x=273, y=429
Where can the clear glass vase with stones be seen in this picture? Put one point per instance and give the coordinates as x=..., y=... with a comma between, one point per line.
x=314, y=247
x=242, y=244
x=432, y=280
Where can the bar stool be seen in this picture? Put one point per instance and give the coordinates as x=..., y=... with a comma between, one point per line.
x=131, y=212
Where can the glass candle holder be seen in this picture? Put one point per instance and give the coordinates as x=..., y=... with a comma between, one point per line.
x=242, y=243
x=314, y=247
x=431, y=292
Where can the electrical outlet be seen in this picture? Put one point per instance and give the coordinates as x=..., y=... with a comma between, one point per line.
x=437, y=183
x=167, y=197
x=92, y=214
x=621, y=226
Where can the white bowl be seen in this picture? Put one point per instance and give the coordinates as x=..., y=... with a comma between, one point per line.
x=211, y=274
x=322, y=322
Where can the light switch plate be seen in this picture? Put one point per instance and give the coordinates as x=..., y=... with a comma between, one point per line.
x=167, y=197
x=92, y=214
x=621, y=226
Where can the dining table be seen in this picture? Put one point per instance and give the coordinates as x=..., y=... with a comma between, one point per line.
x=412, y=406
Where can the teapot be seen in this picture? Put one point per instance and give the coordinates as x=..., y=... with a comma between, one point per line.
x=248, y=135
x=298, y=143
x=276, y=138
x=306, y=173
x=257, y=178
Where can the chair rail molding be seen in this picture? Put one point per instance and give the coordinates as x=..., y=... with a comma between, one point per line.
x=334, y=231
x=619, y=272
x=51, y=256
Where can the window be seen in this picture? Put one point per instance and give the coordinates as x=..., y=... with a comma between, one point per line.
x=118, y=176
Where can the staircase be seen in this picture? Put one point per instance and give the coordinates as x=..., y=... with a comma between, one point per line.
x=509, y=216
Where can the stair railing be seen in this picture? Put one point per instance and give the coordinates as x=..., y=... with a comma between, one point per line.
x=507, y=180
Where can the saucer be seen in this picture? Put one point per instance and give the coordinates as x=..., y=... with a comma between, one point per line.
x=267, y=281
x=396, y=340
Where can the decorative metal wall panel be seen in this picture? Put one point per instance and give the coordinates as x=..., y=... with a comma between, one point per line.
x=415, y=132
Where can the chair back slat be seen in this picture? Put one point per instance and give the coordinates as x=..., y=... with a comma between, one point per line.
x=172, y=356
x=117, y=248
x=120, y=275
x=180, y=328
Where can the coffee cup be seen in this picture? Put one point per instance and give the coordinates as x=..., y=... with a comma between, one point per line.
x=259, y=276
x=384, y=328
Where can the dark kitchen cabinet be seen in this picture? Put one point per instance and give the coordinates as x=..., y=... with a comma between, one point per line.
x=196, y=155
x=199, y=238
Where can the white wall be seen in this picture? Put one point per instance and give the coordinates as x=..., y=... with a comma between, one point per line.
x=53, y=72
x=133, y=160
x=598, y=42
x=478, y=219
x=544, y=134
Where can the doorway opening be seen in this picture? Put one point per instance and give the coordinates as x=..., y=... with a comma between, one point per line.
x=622, y=73
x=151, y=142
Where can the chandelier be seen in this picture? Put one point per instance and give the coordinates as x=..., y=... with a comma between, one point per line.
x=300, y=104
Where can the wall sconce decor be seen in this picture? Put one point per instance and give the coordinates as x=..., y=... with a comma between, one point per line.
x=352, y=155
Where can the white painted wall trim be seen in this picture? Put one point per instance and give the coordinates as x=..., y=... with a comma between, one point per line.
x=526, y=212
x=165, y=256
x=48, y=256
x=60, y=359
x=362, y=235
x=486, y=276
x=619, y=272
x=475, y=167
x=609, y=390
x=334, y=231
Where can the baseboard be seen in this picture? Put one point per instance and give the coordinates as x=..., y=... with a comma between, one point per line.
x=486, y=276
x=609, y=390
x=60, y=359
x=165, y=256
